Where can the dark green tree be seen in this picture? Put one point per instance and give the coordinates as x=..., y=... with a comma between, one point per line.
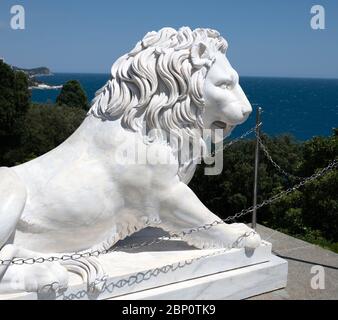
x=311, y=213
x=14, y=103
x=320, y=198
x=45, y=127
x=73, y=95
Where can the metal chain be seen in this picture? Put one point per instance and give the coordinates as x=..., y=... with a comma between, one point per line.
x=95, y=253
x=245, y=134
x=320, y=173
x=141, y=276
x=282, y=171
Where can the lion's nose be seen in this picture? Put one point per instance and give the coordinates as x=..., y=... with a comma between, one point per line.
x=246, y=110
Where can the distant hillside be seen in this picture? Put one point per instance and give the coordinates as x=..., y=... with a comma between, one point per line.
x=33, y=83
x=34, y=72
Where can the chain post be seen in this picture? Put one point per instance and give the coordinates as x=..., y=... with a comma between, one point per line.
x=254, y=212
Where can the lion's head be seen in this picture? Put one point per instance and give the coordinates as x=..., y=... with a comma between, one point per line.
x=174, y=81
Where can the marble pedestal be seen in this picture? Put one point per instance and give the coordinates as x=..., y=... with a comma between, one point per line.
x=173, y=270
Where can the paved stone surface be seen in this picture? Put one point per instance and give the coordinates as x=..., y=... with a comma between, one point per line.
x=301, y=256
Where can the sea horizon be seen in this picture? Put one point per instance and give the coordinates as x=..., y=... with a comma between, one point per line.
x=302, y=107
x=241, y=76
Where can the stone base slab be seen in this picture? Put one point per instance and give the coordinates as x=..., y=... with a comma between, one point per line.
x=235, y=284
x=177, y=271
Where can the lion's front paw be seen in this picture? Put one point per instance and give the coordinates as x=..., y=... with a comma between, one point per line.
x=48, y=277
x=243, y=236
x=235, y=235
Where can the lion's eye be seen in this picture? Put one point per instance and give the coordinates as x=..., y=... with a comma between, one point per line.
x=225, y=86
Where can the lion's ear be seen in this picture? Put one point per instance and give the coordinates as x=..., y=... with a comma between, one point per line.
x=200, y=55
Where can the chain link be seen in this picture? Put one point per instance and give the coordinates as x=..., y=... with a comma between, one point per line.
x=269, y=157
x=244, y=135
x=79, y=255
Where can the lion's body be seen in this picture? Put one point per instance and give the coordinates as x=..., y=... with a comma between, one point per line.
x=80, y=197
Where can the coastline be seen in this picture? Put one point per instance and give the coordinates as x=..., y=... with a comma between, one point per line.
x=43, y=86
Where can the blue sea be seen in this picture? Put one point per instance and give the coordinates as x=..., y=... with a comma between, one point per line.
x=301, y=107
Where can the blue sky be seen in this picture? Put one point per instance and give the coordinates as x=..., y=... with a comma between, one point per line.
x=266, y=37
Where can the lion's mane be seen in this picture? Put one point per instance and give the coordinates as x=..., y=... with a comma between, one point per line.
x=160, y=81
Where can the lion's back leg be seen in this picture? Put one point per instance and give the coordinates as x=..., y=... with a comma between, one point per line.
x=30, y=277
x=13, y=197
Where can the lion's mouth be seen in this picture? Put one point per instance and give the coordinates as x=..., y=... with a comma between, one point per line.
x=220, y=135
x=222, y=125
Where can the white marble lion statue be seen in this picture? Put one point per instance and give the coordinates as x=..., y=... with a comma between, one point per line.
x=87, y=194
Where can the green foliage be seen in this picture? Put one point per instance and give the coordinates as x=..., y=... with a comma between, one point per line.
x=14, y=103
x=45, y=127
x=314, y=209
x=316, y=237
x=320, y=198
x=318, y=152
x=72, y=95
